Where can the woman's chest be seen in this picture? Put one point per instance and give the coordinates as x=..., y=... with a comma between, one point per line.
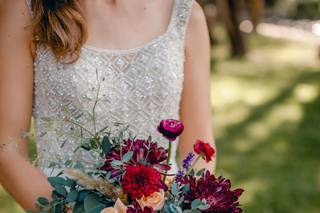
x=147, y=77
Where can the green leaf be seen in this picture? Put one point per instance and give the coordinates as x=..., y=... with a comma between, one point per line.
x=197, y=203
x=70, y=182
x=185, y=188
x=61, y=190
x=174, y=209
x=42, y=201
x=192, y=172
x=86, y=146
x=56, y=181
x=127, y=157
x=72, y=196
x=116, y=163
x=79, y=208
x=174, y=189
x=200, y=172
x=92, y=204
x=106, y=144
x=58, y=208
x=82, y=195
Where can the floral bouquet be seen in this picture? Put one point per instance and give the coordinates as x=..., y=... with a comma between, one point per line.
x=134, y=179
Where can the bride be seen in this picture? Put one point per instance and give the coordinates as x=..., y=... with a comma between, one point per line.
x=144, y=60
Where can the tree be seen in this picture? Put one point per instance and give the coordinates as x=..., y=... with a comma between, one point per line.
x=230, y=13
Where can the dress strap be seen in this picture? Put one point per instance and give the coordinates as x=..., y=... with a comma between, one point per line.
x=183, y=14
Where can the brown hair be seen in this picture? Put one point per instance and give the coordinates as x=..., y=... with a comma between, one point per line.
x=60, y=25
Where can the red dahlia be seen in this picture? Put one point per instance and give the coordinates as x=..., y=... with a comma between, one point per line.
x=141, y=181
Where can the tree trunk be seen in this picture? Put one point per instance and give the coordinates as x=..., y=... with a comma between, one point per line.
x=256, y=11
x=230, y=12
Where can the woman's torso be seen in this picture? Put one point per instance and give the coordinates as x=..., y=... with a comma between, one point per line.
x=137, y=87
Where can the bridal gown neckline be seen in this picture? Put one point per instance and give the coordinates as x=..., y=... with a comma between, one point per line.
x=138, y=87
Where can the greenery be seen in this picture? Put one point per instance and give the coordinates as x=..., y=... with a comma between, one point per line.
x=266, y=122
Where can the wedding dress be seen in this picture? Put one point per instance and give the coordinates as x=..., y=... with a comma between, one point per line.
x=137, y=87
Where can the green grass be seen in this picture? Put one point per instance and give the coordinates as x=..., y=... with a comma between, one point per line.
x=266, y=123
x=267, y=119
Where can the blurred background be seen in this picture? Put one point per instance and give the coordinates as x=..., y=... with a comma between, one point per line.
x=265, y=101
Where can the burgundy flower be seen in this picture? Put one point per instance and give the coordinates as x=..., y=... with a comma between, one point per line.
x=141, y=180
x=216, y=192
x=144, y=152
x=204, y=149
x=170, y=128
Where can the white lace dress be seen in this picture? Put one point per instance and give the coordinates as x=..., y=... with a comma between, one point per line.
x=137, y=87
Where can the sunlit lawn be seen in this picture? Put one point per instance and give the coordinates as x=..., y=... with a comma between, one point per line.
x=267, y=126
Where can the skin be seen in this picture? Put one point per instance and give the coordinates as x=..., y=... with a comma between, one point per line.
x=111, y=25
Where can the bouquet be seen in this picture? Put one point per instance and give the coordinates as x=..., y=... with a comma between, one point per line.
x=134, y=178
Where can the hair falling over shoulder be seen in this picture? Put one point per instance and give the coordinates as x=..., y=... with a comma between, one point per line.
x=60, y=25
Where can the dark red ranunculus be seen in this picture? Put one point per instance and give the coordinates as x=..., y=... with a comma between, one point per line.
x=204, y=149
x=170, y=128
x=216, y=191
x=141, y=181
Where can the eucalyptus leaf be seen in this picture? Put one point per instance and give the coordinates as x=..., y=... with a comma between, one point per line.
x=58, y=208
x=197, y=203
x=92, y=204
x=61, y=190
x=72, y=196
x=82, y=195
x=70, y=182
x=79, y=208
x=185, y=188
x=200, y=172
x=56, y=181
x=116, y=163
x=106, y=144
x=42, y=201
x=192, y=172
x=127, y=157
x=174, y=189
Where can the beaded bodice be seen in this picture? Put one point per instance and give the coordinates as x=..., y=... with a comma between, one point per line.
x=136, y=87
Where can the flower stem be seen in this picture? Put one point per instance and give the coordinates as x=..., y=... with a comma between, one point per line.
x=168, y=160
x=193, y=164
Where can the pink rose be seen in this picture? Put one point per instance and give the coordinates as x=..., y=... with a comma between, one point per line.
x=155, y=201
x=119, y=207
x=170, y=128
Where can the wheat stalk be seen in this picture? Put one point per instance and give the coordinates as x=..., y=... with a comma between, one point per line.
x=99, y=184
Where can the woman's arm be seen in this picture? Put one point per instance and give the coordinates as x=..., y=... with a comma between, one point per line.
x=23, y=181
x=195, y=104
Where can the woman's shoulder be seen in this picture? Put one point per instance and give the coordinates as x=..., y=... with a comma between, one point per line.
x=15, y=24
x=197, y=13
x=190, y=13
x=197, y=19
x=15, y=14
x=197, y=35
